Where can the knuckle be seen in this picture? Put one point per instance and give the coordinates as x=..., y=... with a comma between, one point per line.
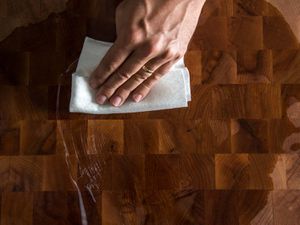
x=170, y=53
x=153, y=47
x=123, y=75
x=133, y=37
x=107, y=66
x=147, y=85
x=156, y=77
x=141, y=76
x=106, y=89
x=123, y=92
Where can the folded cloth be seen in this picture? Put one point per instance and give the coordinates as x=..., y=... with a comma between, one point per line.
x=171, y=91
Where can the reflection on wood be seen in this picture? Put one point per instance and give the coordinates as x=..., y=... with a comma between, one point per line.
x=231, y=157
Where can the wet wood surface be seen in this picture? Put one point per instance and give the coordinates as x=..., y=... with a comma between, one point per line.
x=231, y=157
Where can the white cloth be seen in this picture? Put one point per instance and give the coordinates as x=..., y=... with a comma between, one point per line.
x=171, y=91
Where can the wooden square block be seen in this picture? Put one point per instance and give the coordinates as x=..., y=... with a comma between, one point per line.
x=4, y=173
x=219, y=67
x=17, y=208
x=216, y=8
x=257, y=101
x=277, y=34
x=286, y=66
x=218, y=203
x=58, y=102
x=55, y=63
x=179, y=136
x=290, y=97
x=94, y=173
x=250, y=136
x=255, y=66
x=58, y=173
x=194, y=136
x=55, y=207
x=197, y=171
x=141, y=136
x=162, y=172
x=246, y=33
x=250, y=171
x=38, y=137
x=250, y=7
x=131, y=208
x=286, y=207
x=284, y=135
x=9, y=137
x=212, y=34
x=128, y=172
x=123, y=207
x=255, y=207
x=23, y=102
x=27, y=175
x=184, y=205
x=201, y=105
x=293, y=171
x=72, y=137
x=216, y=136
x=105, y=136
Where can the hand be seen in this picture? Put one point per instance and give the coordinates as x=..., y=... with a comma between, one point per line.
x=151, y=36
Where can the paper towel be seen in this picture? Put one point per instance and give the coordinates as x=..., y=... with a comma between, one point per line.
x=171, y=91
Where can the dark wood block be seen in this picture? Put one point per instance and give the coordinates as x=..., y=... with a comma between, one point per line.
x=219, y=67
x=246, y=101
x=141, y=136
x=105, y=136
x=56, y=208
x=72, y=137
x=213, y=34
x=255, y=66
x=23, y=102
x=197, y=171
x=38, y=137
x=59, y=173
x=94, y=173
x=162, y=172
x=277, y=34
x=250, y=25
x=286, y=66
x=250, y=7
x=241, y=171
x=17, y=208
x=220, y=207
x=194, y=136
x=128, y=172
x=286, y=206
x=293, y=171
x=9, y=137
x=284, y=136
x=250, y=136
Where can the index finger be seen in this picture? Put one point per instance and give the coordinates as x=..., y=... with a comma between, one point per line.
x=114, y=57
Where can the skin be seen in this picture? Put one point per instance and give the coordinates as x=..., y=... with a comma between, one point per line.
x=153, y=33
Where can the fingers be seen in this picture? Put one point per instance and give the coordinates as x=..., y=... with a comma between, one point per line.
x=115, y=56
x=119, y=85
x=144, y=88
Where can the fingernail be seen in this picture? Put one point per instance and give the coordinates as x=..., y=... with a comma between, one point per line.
x=101, y=99
x=116, y=101
x=137, y=97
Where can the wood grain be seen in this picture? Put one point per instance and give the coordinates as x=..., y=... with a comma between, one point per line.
x=230, y=158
